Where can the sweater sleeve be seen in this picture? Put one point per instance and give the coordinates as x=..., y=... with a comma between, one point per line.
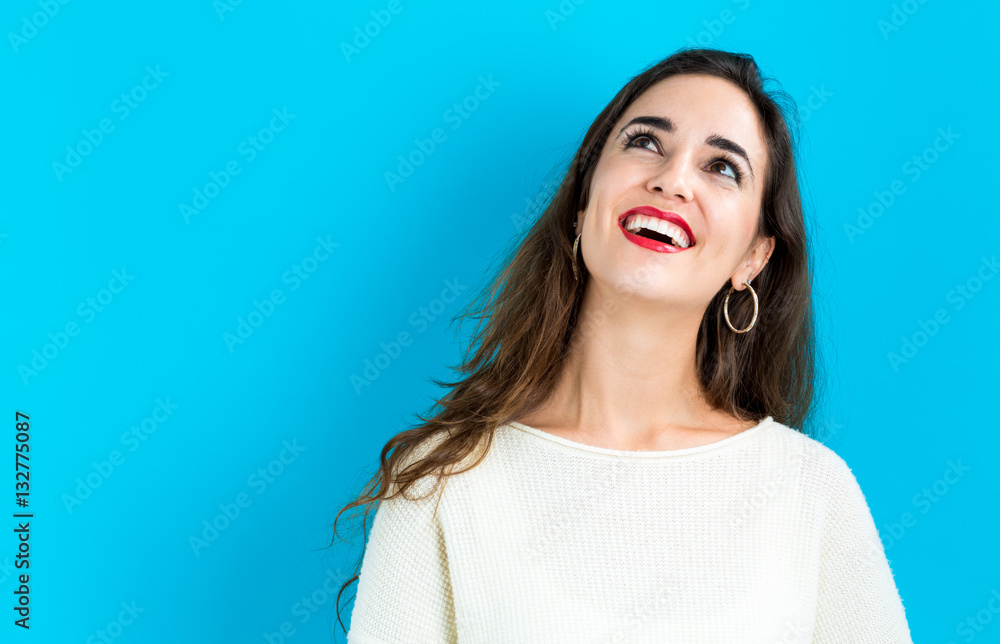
x=858, y=601
x=404, y=589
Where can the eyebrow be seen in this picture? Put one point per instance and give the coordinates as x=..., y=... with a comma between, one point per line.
x=714, y=140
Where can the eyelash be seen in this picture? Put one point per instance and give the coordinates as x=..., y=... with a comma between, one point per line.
x=634, y=135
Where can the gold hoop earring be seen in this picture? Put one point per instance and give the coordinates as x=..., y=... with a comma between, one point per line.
x=576, y=244
x=725, y=308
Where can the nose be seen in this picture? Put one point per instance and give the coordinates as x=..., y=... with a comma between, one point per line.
x=672, y=178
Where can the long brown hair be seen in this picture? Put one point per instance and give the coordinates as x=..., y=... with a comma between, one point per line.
x=527, y=313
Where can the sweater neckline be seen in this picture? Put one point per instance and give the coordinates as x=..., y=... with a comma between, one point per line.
x=686, y=451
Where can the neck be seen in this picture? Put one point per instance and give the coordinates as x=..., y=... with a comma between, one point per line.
x=629, y=372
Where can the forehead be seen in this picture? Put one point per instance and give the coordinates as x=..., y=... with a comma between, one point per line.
x=699, y=106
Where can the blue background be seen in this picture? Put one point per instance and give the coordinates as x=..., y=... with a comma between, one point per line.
x=307, y=215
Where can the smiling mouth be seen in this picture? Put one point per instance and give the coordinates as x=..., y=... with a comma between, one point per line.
x=655, y=236
x=655, y=229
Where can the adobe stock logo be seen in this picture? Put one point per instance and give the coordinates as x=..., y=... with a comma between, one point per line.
x=900, y=16
x=295, y=276
x=87, y=310
x=29, y=28
x=565, y=9
x=958, y=297
x=923, y=501
x=133, y=438
x=974, y=624
x=818, y=96
x=116, y=627
x=715, y=27
x=372, y=29
x=419, y=320
x=250, y=147
x=915, y=167
x=456, y=116
x=222, y=7
x=122, y=107
x=308, y=605
x=533, y=205
x=231, y=511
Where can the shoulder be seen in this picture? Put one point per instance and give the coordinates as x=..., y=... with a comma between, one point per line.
x=825, y=468
x=437, y=454
x=410, y=456
x=833, y=485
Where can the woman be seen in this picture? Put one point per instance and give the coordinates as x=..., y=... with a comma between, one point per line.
x=619, y=462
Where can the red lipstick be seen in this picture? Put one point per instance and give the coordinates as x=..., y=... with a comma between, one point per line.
x=652, y=244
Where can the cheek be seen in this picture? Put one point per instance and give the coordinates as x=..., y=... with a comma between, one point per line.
x=615, y=171
x=604, y=186
x=731, y=234
x=605, y=178
x=733, y=216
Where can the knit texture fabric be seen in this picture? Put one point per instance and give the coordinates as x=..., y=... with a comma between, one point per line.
x=762, y=537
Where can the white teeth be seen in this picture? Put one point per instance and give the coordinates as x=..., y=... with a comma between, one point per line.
x=662, y=226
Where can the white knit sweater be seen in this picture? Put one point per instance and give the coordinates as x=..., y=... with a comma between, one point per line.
x=762, y=537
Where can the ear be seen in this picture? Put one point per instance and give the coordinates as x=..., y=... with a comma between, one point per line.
x=755, y=263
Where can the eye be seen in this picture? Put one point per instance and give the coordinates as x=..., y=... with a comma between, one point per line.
x=634, y=139
x=725, y=161
x=642, y=137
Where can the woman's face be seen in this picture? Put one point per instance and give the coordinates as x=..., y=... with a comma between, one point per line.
x=684, y=155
